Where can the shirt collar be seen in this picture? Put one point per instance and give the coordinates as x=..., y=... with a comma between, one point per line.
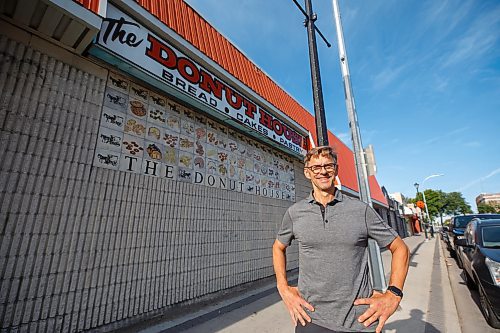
x=338, y=197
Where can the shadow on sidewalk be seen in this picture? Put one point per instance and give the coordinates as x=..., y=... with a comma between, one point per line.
x=233, y=314
x=413, y=324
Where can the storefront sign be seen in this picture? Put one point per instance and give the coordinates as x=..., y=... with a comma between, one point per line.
x=143, y=132
x=128, y=39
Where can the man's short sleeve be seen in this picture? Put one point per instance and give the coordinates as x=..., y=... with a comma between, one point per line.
x=285, y=234
x=380, y=231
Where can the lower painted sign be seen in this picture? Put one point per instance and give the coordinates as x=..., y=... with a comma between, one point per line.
x=144, y=132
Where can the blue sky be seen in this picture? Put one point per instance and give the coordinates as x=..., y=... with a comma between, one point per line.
x=425, y=74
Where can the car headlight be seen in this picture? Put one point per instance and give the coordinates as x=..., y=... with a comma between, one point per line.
x=494, y=268
x=461, y=237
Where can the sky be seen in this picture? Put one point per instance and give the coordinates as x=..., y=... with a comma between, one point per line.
x=425, y=76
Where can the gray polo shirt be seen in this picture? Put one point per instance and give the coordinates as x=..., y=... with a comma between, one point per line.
x=333, y=256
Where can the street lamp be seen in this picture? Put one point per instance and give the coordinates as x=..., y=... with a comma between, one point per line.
x=423, y=193
x=421, y=216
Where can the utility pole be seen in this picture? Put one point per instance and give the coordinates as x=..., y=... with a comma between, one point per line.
x=359, y=156
x=376, y=266
x=319, y=107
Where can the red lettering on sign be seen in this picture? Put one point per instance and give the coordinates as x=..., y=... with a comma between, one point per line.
x=231, y=95
x=211, y=85
x=266, y=119
x=194, y=76
x=161, y=53
x=250, y=108
x=277, y=127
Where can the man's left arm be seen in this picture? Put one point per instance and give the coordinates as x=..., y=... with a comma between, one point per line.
x=383, y=305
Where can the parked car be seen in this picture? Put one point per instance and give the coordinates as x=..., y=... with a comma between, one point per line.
x=444, y=234
x=479, y=252
x=457, y=227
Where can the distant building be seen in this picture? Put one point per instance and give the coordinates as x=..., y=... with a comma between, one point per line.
x=398, y=196
x=492, y=199
x=371, y=164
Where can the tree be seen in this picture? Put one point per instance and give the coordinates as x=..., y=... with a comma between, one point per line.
x=439, y=202
x=485, y=208
x=457, y=204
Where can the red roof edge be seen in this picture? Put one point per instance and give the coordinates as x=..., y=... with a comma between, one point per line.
x=92, y=5
x=376, y=191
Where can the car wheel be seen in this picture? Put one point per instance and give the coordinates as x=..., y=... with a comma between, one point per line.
x=469, y=281
x=487, y=311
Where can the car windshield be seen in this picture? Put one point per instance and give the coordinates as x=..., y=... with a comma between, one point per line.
x=461, y=221
x=491, y=236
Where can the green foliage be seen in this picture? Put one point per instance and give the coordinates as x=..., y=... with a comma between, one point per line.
x=457, y=204
x=439, y=202
x=485, y=208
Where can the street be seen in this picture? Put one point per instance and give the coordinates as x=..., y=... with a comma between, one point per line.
x=466, y=300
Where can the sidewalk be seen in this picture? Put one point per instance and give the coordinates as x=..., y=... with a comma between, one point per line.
x=427, y=307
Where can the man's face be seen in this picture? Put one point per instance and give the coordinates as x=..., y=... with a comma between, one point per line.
x=324, y=177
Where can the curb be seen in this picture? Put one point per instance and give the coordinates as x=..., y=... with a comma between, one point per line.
x=452, y=323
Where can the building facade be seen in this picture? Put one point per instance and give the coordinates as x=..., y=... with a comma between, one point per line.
x=492, y=199
x=145, y=163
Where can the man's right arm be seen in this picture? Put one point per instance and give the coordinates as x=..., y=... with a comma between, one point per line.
x=290, y=295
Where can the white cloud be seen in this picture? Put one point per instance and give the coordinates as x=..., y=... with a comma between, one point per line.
x=447, y=15
x=446, y=135
x=473, y=144
x=387, y=76
x=477, y=40
x=344, y=137
x=479, y=180
x=441, y=84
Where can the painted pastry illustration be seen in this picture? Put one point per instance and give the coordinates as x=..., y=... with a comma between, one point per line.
x=154, y=132
x=185, y=160
x=133, y=126
x=200, y=150
x=199, y=162
x=171, y=140
x=154, y=152
x=138, y=108
x=200, y=133
x=171, y=155
x=132, y=147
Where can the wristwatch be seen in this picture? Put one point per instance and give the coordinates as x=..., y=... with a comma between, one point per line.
x=395, y=290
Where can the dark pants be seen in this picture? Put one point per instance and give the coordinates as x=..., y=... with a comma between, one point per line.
x=311, y=328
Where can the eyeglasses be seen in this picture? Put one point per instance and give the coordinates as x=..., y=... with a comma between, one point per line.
x=330, y=167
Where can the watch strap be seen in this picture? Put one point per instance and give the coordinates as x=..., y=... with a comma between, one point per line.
x=395, y=290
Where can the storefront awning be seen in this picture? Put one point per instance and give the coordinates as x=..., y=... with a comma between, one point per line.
x=66, y=22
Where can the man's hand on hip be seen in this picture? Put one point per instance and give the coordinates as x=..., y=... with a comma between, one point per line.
x=382, y=306
x=295, y=304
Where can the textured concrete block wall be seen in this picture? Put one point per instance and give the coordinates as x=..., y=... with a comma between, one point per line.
x=82, y=246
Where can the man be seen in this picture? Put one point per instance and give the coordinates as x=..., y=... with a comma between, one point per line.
x=332, y=230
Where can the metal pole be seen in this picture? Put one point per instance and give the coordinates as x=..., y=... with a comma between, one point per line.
x=425, y=202
x=422, y=223
x=319, y=108
x=427, y=211
x=375, y=259
x=359, y=156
